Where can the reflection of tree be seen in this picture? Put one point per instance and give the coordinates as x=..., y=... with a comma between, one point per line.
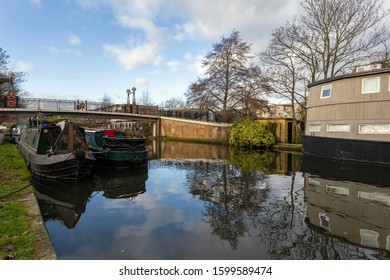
x=272, y=210
x=248, y=161
x=231, y=196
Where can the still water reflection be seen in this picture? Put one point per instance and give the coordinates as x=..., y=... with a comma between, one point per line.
x=196, y=201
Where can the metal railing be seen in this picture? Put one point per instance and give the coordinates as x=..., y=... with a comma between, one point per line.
x=85, y=105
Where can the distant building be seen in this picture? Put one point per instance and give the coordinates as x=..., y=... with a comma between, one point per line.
x=280, y=111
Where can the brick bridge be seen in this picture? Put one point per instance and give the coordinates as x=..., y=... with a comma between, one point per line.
x=162, y=126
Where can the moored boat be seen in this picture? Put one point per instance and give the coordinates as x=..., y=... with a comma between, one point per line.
x=56, y=151
x=113, y=149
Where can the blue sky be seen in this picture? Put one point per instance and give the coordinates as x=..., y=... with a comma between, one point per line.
x=83, y=49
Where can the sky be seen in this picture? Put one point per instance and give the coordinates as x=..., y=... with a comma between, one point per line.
x=86, y=49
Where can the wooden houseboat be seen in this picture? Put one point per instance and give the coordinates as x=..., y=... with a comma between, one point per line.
x=348, y=116
x=56, y=151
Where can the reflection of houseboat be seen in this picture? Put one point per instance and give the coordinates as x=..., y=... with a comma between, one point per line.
x=348, y=117
x=120, y=184
x=112, y=149
x=56, y=151
x=345, y=207
x=59, y=200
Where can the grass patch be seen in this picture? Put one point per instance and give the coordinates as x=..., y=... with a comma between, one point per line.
x=16, y=239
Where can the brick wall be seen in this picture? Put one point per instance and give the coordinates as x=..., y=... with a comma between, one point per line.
x=194, y=130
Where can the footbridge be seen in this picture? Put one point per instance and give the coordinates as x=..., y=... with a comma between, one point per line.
x=165, y=127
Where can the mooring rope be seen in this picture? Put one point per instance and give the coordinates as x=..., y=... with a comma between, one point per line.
x=25, y=187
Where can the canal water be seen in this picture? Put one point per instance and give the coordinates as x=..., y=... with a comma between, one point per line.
x=196, y=201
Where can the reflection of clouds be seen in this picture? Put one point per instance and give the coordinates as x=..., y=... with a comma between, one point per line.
x=281, y=185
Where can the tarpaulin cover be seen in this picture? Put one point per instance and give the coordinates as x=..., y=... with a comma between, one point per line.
x=119, y=143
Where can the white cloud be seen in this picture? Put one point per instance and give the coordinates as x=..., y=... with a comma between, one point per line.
x=36, y=3
x=139, y=81
x=173, y=65
x=73, y=53
x=158, y=60
x=164, y=23
x=23, y=66
x=132, y=57
x=74, y=40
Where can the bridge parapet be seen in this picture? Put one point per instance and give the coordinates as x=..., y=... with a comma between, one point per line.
x=195, y=130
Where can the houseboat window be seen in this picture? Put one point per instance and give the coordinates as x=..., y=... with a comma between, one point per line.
x=314, y=127
x=324, y=221
x=370, y=85
x=337, y=190
x=326, y=91
x=338, y=127
x=377, y=197
x=369, y=238
x=374, y=128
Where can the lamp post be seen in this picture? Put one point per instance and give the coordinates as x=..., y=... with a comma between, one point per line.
x=11, y=79
x=128, y=101
x=133, y=89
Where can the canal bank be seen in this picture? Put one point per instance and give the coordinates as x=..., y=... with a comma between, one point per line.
x=23, y=235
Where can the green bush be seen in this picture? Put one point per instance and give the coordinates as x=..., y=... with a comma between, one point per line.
x=250, y=134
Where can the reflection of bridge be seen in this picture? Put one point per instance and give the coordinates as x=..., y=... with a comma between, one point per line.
x=162, y=126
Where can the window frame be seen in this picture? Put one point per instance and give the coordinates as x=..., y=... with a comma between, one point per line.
x=324, y=88
x=339, y=125
x=310, y=126
x=374, y=133
x=371, y=91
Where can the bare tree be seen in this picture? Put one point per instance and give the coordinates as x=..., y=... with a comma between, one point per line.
x=146, y=99
x=9, y=79
x=175, y=103
x=106, y=101
x=339, y=33
x=285, y=71
x=328, y=39
x=227, y=77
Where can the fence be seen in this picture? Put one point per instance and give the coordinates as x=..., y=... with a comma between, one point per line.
x=85, y=105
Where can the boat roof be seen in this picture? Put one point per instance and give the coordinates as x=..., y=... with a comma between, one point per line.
x=348, y=76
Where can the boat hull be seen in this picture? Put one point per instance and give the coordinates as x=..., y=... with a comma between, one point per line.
x=120, y=159
x=59, y=166
x=347, y=149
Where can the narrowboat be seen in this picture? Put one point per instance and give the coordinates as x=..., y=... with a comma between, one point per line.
x=113, y=149
x=348, y=116
x=56, y=151
x=65, y=201
x=116, y=184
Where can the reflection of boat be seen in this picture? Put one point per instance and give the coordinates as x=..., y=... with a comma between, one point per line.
x=64, y=201
x=122, y=184
x=348, y=116
x=367, y=173
x=112, y=149
x=56, y=151
x=348, y=208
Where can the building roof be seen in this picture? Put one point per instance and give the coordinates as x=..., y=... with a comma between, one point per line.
x=351, y=75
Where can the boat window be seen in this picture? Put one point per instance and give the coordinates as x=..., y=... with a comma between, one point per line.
x=324, y=221
x=326, y=91
x=369, y=238
x=374, y=128
x=370, y=85
x=338, y=127
x=314, y=127
x=337, y=190
x=388, y=243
